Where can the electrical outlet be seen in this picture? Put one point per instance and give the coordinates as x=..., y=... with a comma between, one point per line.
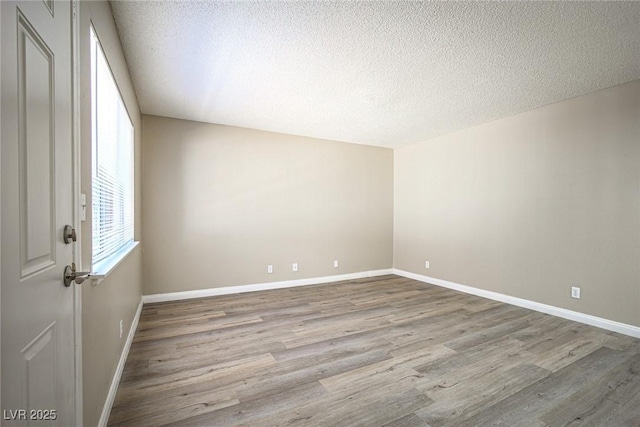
x=121, y=329
x=269, y=268
x=575, y=292
x=426, y=264
x=335, y=263
x=295, y=266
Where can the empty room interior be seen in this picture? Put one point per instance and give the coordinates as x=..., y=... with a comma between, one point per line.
x=320, y=213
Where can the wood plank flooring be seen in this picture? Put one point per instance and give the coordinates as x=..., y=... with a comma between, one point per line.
x=384, y=351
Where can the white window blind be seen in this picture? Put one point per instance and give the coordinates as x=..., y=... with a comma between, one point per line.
x=112, y=161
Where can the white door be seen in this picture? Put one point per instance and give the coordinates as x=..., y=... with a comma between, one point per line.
x=37, y=309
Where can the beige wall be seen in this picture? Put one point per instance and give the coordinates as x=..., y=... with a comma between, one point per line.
x=221, y=203
x=531, y=204
x=117, y=297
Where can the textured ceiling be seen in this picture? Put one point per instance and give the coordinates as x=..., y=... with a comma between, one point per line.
x=377, y=73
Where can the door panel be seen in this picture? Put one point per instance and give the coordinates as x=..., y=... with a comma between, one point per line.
x=36, y=134
x=40, y=361
x=37, y=309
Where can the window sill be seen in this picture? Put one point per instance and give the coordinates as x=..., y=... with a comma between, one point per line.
x=102, y=269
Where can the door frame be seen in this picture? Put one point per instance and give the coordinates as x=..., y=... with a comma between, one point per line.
x=1, y=406
x=77, y=170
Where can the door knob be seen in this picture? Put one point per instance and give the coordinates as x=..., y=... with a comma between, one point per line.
x=71, y=275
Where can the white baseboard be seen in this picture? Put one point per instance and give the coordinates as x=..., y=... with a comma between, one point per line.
x=175, y=296
x=588, y=319
x=113, y=389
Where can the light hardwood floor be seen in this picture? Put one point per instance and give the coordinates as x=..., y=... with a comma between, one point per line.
x=385, y=351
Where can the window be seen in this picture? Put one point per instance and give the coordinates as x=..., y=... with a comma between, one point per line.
x=112, y=165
